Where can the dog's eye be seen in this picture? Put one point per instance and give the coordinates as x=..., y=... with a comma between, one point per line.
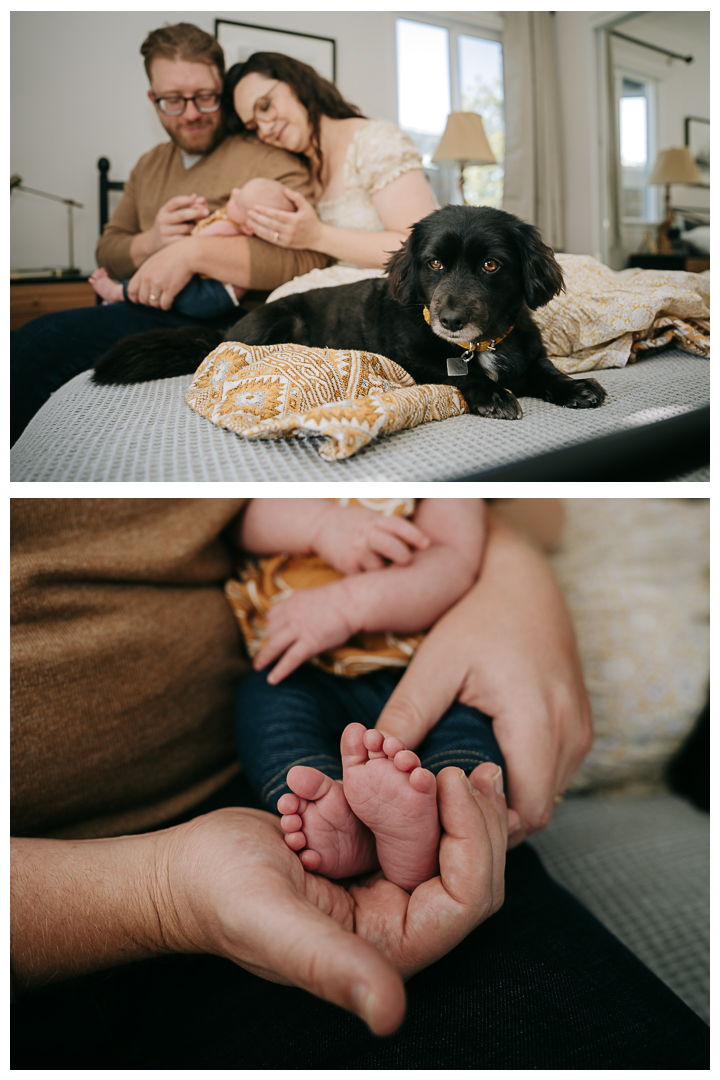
x=435, y=264
x=491, y=265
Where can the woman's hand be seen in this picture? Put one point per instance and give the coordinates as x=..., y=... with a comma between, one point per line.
x=229, y=885
x=508, y=649
x=301, y=229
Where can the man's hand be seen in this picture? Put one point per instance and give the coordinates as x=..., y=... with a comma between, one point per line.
x=304, y=625
x=508, y=649
x=161, y=277
x=173, y=221
x=227, y=884
x=353, y=539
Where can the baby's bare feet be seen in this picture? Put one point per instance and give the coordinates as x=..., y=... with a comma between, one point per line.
x=320, y=826
x=104, y=286
x=396, y=798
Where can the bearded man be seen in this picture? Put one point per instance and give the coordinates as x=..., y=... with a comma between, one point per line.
x=172, y=187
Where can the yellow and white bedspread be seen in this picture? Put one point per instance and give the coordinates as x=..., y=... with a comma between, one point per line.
x=606, y=318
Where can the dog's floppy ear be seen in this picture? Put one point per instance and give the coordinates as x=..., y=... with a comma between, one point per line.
x=542, y=276
x=401, y=270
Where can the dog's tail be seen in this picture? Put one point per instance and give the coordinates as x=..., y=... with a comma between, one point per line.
x=157, y=354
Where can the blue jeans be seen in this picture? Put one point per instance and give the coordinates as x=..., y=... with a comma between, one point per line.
x=49, y=351
x=202, y=298
x=300, y=721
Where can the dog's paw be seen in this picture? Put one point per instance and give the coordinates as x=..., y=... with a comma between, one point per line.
x=499, y=403
x=585, y=394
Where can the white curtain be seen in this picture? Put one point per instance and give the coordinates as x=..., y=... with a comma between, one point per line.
x=533, y=151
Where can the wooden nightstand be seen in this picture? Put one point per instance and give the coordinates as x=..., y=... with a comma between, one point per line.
x=694, y=263
x=31, y=297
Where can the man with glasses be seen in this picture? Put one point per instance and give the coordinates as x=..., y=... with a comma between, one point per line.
x=169, y=190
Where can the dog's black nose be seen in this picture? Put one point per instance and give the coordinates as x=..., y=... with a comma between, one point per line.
x=452, y=321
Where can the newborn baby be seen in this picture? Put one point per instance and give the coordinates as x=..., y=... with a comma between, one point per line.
x=203, y=297
x=339, y=613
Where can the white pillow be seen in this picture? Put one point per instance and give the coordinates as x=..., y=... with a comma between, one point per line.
x=635, y=576
x=698, y=239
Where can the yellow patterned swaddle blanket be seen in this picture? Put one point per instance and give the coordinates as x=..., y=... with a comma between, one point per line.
x=266, y=579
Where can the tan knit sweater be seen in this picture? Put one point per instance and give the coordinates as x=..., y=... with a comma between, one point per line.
x=160, y=175
x=125, y=658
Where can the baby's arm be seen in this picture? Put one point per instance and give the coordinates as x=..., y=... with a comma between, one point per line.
x=404, y=599
x=350, y=538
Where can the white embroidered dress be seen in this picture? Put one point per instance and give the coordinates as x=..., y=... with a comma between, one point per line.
x=378, y=154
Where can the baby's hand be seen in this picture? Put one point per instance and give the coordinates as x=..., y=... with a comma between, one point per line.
x=303, y=625
x=353, y=539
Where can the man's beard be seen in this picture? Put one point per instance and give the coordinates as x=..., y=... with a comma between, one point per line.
x=194, y=144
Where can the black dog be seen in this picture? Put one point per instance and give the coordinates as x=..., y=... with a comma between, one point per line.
x=454, y=309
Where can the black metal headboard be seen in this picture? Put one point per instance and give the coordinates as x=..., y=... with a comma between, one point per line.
x=106, y=186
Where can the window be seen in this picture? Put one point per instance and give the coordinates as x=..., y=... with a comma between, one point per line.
x=441, y=69
x=636, y=99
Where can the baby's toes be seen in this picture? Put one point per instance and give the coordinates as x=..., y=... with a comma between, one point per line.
x=373, y=740
x=310, y=859
x=291, y=823
x=393, y=745
x=406, y=760
x=423, y=780
x=295, y=840
x=289, y=804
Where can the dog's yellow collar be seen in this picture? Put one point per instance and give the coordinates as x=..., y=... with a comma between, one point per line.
x=480, y=346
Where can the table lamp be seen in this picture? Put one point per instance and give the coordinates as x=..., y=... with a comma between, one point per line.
x=464, y=142
x=673, y=166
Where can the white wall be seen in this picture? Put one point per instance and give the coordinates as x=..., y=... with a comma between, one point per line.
x=78, y=91
x=683, y=90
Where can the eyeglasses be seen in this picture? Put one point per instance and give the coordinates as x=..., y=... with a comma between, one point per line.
x=264, y=111
x=175, y=104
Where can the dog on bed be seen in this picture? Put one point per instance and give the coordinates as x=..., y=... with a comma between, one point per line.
x=454, y=308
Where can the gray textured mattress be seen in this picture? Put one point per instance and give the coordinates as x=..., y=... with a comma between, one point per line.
x=642, y=866
x=146, y=432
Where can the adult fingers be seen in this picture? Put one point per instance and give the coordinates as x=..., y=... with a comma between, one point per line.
x=472, y=849
x=426, y=691
x=531, y=745
x=310, y=950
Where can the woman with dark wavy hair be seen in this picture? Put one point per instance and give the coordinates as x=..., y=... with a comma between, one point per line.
x=367, y=174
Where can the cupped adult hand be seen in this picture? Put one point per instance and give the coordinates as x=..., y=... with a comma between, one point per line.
x=300, y=229
x=229, y=885
x=160, y=278
x=177, y=218
x=508, y=649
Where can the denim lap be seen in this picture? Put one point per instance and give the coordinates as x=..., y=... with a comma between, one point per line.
x=300, y=721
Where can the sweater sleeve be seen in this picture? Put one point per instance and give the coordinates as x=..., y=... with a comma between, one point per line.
x=113, y=247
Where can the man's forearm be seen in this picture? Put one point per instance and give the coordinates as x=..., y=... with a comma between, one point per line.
x=142, y=246
x=80, y=905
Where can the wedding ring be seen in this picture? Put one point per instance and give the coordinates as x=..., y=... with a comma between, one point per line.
x=276, y=237
x=558, y=798
x=153, y=297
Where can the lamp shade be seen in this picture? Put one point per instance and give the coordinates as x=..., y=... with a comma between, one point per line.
x=464, y=139
x=675, y=166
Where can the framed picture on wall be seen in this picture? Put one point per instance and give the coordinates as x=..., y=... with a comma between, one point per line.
x=241, y=40
x=697, y=137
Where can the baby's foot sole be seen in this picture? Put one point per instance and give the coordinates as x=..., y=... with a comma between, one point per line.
x=396, y=798
x=322, y=829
